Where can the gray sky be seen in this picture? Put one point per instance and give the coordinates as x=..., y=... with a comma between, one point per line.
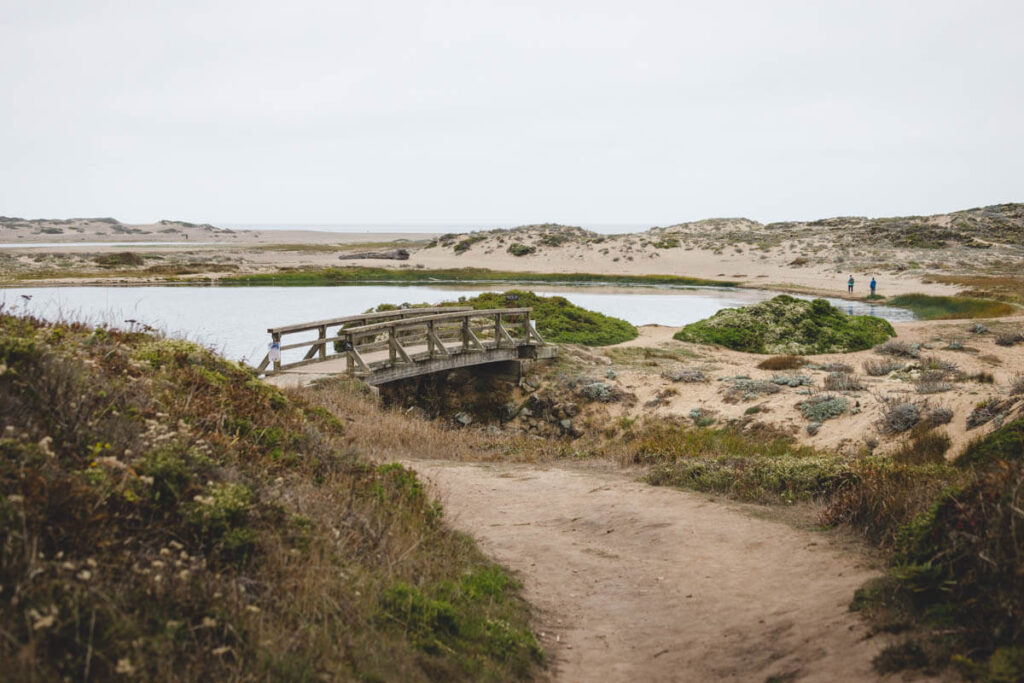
x=508, y=112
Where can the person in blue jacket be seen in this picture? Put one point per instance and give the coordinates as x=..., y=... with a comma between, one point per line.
x=849, y=285
x=873, y=285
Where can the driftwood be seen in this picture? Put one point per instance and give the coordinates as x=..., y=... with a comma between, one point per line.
x=393, y=254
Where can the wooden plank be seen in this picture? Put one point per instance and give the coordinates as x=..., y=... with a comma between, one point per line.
x=501, y=334
x=383, y=315
x=412, y=322
x=437, y=347
x=356, y=361
x=397, y=349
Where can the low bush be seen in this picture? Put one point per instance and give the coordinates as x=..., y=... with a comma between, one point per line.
x=688, y=375
x=821, y=407
x=940, y=416
x=841, y=381
x=1009, y=338
x=932, y=386
x=986, y=411
x=895, y=347
x=880, y=368
x=1016, y=385
x=898, y=417
x=518, y=249
x=836, y=367
x=793, y=380
x=785, y=325
x=787, y=362
x=464, y=245
x=742, y=389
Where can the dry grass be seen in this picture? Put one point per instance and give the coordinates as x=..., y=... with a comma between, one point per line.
x=782, y=363
x=389, y=434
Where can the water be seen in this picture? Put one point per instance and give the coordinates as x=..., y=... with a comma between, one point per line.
x=234, y=320
x=49, y=245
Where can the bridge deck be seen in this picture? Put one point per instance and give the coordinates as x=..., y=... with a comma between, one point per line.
x=385, y=347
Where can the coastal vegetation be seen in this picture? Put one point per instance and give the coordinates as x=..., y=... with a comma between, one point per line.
x=358, y=275
x=785, y=325
x=559, y=320
x=164, y=515
x=949, y=531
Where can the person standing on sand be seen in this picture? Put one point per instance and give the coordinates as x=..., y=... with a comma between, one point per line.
x=873, y=285
x=849, y=285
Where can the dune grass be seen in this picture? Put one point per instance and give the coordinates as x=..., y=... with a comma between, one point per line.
x=927, y=307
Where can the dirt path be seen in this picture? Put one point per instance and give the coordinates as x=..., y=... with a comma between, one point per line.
x=638, y=583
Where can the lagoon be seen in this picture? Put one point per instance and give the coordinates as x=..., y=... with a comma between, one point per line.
x=234, y=320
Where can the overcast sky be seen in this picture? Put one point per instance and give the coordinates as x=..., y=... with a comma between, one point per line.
x=508, y=112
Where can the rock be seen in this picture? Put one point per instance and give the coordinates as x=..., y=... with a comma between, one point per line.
x=565, y=424
x=416, y=411
x=508, y=411
x=571, y=409
x=464, y=419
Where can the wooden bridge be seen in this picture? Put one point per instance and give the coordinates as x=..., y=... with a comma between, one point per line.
x=393, y=345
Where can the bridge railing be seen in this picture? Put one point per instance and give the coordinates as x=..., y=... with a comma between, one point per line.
x=437, y=332
x=318, y=348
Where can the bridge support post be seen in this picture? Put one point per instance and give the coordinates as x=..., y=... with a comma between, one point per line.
x=276, y=337
x=322, y=331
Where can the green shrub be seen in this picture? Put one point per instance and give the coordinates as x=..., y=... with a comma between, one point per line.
x=560, y=321
x=517, y=249
x=788, y=325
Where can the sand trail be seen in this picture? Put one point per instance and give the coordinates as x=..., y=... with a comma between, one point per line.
x=638, y=583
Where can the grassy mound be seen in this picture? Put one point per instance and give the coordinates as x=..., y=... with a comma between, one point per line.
x=927, y=307
x=785, y=325
x=166, y=516
x=560, y=321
